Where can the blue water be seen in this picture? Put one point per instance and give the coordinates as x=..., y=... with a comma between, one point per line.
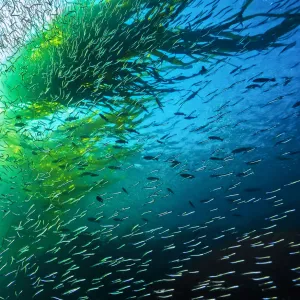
x=250, y=203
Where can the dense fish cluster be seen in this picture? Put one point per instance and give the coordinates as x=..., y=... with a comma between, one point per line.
x=149, y=149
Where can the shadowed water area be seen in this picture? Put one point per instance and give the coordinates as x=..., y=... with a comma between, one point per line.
x=149, y=149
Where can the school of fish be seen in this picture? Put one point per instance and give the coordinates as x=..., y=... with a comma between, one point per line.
x=149, y=149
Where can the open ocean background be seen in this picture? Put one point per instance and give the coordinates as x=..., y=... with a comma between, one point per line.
x=257, y=118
